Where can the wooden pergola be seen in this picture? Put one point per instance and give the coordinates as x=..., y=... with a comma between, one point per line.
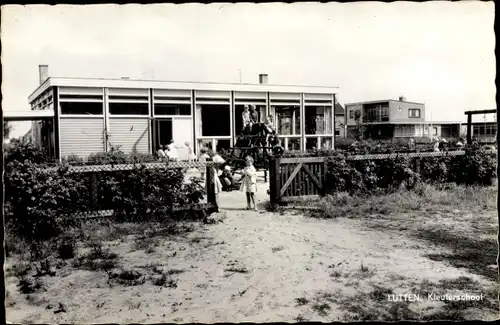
x=469, y=120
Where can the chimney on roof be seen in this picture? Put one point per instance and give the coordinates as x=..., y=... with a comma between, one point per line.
x=402, y=99
x=43, y=72
x=263, y=78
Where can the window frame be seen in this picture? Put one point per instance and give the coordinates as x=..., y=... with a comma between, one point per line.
x=410, y=110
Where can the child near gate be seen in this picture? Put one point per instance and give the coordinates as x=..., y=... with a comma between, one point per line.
x=191, y=155
x=249, y=183
x=203, y=159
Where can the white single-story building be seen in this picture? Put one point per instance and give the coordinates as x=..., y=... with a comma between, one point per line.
x=93, y=115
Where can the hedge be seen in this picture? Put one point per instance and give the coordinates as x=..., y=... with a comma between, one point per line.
x=41, y=202
x=475, y=167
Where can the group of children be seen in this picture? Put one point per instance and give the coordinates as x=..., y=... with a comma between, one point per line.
x=251, y=116
x=225, y=180
x=170, y=153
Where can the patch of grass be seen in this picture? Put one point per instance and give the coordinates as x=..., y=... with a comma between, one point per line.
x=364, y=272
x=336, y=274
x=20, y=270
x=321, y=308
x=456, y=197
x=277, y=248
x=29, y=285
x=98, y=258
x=237, y=270
x=66, y=247
x=300, y=319
x=380, y=294
x=148, y=244
x=301, y=301
x=13, y=244
x=175, y=271
x=128, y=277
x=164, y=280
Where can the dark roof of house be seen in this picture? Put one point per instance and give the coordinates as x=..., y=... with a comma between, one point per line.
x=339, y=109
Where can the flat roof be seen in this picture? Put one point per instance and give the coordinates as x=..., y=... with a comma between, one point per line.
x=27, y=115
x=383, y=101
x=177, y=85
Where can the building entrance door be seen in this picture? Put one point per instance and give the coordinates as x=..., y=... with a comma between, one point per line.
x=162, y=133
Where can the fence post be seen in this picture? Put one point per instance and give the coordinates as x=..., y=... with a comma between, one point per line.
x=93, y=190
x=274, y=180
x=210, y=186
x=417, y=165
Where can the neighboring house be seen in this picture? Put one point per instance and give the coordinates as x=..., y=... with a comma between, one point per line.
x=482, y=131
x=388, y=119
x=340, y=128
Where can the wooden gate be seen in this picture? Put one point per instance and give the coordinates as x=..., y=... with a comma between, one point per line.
x=292, y=179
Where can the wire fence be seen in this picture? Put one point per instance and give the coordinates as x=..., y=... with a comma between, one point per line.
x=141, y=184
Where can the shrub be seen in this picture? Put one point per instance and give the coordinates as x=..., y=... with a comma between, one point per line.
x=476, y=167
x=74, y=160
x=113, y=157
x=66, y=247
x=142, y=193
x=40, y=201
x=21, y=151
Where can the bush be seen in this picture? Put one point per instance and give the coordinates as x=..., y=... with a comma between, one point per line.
x=141, y=193
x=20, y=151
x=475, y=167
x=40, y=201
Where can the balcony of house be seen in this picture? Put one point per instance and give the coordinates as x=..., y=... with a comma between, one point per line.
x=376, y=113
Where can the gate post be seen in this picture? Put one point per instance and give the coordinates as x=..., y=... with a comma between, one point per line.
x=210, y=186
x=93, y=190
x=274, y=180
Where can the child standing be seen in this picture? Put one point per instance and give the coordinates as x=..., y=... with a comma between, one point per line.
x=191, y=155
x=247, y=122
x=203, y=159
x=249, y=183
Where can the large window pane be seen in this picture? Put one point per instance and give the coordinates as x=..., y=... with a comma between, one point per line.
x=215, y=120
x=128, y=108
x=78, y=108
x=318, y=119
x=288, y=120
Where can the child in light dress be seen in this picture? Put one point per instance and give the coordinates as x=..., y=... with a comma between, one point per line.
x=191, y=155
x=218, y=161
x=249, y=183
x=203, y=159
x=172, y=151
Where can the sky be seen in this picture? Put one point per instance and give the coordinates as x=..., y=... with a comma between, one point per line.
x=438, y=53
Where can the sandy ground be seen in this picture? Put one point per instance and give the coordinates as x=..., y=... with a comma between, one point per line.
x=256, y=267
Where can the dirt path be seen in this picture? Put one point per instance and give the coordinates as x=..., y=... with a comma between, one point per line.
x=256, y=267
